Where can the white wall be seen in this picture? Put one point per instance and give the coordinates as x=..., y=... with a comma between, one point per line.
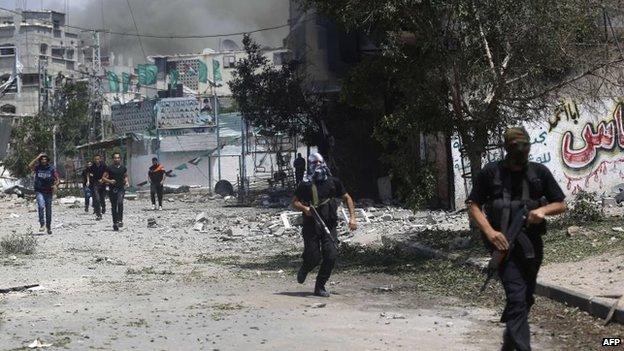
x=583, y=146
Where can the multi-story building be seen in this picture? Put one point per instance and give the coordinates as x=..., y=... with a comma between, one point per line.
x=45, y=47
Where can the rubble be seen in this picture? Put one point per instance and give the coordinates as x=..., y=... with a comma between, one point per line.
x=151, y=223
x=69, y=200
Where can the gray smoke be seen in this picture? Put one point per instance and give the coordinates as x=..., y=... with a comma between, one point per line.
x=175, y=17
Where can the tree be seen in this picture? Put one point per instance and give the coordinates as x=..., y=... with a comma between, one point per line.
x=273, y=99
x=69, y=112
x=473, y=66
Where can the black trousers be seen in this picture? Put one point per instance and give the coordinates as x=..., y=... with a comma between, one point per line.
x=519, y=277
x=98, y=194
x=299, y=176
x=116, y=196
x=319, y=249
x=157, y=190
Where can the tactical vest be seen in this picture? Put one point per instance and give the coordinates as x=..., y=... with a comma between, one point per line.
x=501, y=208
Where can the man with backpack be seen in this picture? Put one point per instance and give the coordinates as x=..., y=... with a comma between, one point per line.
x=500, y=191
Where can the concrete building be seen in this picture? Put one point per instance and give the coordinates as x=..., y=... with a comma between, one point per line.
x=44, y=47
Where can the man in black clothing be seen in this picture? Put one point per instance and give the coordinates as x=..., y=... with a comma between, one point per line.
x=300, y=166
x=116, y=176
x=85, y=186
x=97, y=186
x=156, y=176
x=500, y=190
x=320, y=190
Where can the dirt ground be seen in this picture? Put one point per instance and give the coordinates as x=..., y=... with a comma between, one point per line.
x=173, y=288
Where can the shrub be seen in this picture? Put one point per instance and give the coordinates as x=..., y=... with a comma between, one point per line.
x=16, y=244
x=585, y=209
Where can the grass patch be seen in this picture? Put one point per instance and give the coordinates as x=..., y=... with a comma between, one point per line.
x=148, y=270
x=218, y=260
x=138, y=323
x=16, y=244
x=227, y=306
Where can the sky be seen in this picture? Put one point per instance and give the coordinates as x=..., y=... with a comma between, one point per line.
x=171, y=17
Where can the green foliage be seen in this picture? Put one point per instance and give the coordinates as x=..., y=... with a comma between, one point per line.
x=69, y=112
x=585, y=209
x=32, y=136
x=272, y=99
x=470, y=67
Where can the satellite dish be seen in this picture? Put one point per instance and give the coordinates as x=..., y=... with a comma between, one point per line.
x=230, y=45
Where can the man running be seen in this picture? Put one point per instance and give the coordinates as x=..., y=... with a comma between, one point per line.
x=156, y=176
x=97, y=186
x=316, y=195
x=85, y=186
x=46, y=181
x=116, y=176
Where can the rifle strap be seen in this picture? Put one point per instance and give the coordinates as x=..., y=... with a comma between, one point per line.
x=315, y=197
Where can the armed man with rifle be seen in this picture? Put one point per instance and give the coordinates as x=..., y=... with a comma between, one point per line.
x=316, y=198
x=509, y=202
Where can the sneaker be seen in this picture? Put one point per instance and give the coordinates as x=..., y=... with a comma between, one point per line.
x=86, y=210
x=49, y=231
x=98, y=218
x=120, y=224
x=301, y=275
x=103, y=211
x=115, y=227
x=154, y=207
x=160, y=208
x=321, y=292
x=42, y=229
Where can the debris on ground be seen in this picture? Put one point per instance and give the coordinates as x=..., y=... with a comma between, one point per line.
x=38, y=344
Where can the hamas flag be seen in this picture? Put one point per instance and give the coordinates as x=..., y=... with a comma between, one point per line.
x=147, y=74
x=203, y=72
x=113, y=81
x=216, y=71
x=173, y=77
x=125, y=79
x=182, y=167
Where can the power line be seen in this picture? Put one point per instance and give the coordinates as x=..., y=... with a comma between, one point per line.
x=137, y=29
x=162, y=36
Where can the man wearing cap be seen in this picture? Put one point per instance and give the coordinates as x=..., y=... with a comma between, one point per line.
x=46, y=181
x=318, y=192
x=501, y=189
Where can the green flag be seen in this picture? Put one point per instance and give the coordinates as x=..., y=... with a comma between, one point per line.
x=182, y=167
x=216, y=71
x=125, y=79
x=203, y=72
x=147, y=74
x=113, y=82
x=173, y=78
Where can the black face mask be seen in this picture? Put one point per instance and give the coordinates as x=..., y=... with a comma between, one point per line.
x=518, y=154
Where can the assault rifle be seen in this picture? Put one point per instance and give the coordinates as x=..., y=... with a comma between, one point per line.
x=320, y=225
x=499, y=257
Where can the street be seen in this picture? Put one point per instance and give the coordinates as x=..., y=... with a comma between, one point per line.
x=170, y=287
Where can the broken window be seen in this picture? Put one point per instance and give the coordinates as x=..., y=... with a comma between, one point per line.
x=229, y=61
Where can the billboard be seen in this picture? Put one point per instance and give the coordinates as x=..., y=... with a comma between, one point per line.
x=133, y=117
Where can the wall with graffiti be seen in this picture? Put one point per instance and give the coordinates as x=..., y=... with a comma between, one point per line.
x=583, y=146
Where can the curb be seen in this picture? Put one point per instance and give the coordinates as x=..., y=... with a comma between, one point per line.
x=595, y=306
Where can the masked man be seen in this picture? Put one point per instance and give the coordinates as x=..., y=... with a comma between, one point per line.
x=500, y=190
x=317, y=195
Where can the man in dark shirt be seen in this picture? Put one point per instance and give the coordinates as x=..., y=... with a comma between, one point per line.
x=156, y=176
x=116, y=176
x=46, y=181
x=97, y=186
x=300, y=166
x=320, y=191
x=85, y=186
x=500, y=189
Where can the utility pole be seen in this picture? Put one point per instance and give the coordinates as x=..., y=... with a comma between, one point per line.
x=95, y=87
x=216, y=118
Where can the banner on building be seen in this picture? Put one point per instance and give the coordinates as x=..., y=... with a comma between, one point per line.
x=147, y=74
x=216, y=71
x=125, y=79
x=133, y=117
x=181, y=113
x=113, y=81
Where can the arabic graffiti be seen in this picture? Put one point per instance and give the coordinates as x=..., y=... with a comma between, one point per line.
x=568, y=110
x=602, y=137
x=578, y=183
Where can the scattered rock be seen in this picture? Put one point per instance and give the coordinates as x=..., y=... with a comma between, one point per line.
x=387, y=217
x=37, y=344
x=199, y=226
x=392, y=315
x=317, y=305
x=618, y=229
x=201, y=217
x=449, y=324
x=151, y=223
x=574, y=231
